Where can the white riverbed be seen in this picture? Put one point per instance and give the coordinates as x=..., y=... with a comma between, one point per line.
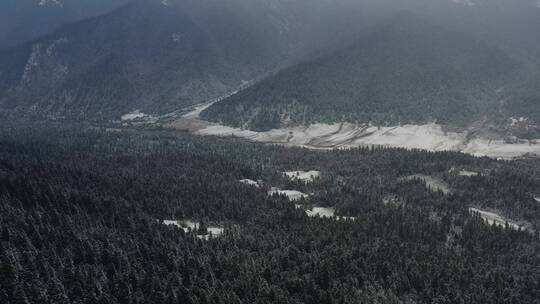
x=429, y=137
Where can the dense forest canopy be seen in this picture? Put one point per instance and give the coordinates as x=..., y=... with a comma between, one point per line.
x=81, y=222
x=107, y=196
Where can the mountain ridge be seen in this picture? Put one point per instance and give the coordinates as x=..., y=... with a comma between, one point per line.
x=406, y=71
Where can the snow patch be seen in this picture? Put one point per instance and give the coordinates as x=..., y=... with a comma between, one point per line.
x=515, y=121
x=305, y=176
x=493, y=218
x=468, y=173
x=185, y=225
x=292, y=195
x=190, y=226
x=327, y=212
x=213, y=232
x=537, y=199
x=322, y=212
x=134, y=115
x=249, y=182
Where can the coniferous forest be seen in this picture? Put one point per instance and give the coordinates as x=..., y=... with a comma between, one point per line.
x=82, y=211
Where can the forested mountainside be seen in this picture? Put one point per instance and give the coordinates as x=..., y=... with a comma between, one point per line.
x=24, y=20
x=145, y=54
x=160, y=56
x=406, y=71
x=82, y=212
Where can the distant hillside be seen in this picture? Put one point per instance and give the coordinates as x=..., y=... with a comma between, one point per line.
x=406, y=71
x=24, y=20
x=159, y=56
x=149, y=55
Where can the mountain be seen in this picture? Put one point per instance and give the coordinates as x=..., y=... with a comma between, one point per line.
x=147, y=55
x=159, y=56
x=24, y=20
x=406, y=70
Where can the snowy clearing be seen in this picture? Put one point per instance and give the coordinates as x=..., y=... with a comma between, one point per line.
x=322, y=212
x=292, y=195
x=186, y=225
x=212, y=233
x=133, y=115
x=249, y=182
x=468, y=173
x=191, y=226
x=494, y=218
x=305, y=176
x=435, y=183
x=327, y=212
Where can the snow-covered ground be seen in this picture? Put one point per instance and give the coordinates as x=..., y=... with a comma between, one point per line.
x=537, y=199
x=494, y=218
x=433, y=182
x=468, y=173
x=322, y=212
x=429, y=137
x=191, y=226
x=186, y=225
x=249, y=182
x=305, y=176
x=327, y=212
x=133, y=115
x=292, y=195
x=212, y=233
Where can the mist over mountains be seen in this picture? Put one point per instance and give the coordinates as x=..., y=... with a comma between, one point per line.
x=405, y=71
x=450, y=61
x=269, y=151
x=24, y=20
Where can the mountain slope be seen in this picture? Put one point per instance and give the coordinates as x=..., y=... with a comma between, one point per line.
x=24, y=20
x=145, y=55
x=159, y=56
x=405, y=71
